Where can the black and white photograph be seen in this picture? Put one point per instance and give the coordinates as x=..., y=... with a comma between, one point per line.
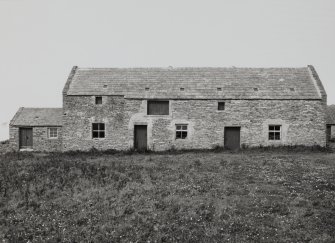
x=167, y=121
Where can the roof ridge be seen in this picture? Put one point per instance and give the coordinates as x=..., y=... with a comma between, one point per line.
x=192, y=67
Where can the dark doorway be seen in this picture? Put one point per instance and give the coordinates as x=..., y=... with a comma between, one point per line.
x=232, y=137
x=140, y=139
x=328, y=133
x=26, y=138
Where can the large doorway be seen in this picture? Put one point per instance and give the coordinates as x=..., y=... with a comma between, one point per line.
x=232, y=137
x=140, y=137
x=26, y=138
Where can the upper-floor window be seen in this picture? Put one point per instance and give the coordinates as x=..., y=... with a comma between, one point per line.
x=52, y=132
x=158, y=107
x=98, y=100
x=274, y=132
x=98, y=130
x=221, y=106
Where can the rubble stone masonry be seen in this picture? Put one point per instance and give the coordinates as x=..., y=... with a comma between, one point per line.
x=302, y=122
x=41, y=142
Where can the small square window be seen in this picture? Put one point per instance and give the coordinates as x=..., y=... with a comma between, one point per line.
x=181, y=131
x=98, y=100
x=221, y=106
x=182, y=89
x=53, y=132
x=274, y=132
x=98, y=130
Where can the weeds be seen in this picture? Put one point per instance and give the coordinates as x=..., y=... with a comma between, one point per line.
x=200, y=196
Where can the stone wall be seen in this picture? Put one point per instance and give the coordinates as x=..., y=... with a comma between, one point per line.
x=41, y=142
x=14, y=138
x=79, y=114
x=302, y=121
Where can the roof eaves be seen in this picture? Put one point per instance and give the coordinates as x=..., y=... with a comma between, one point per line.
x=29, y=125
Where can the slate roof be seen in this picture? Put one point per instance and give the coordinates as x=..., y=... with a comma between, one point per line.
x=38, y=117
x=330, y=115
x=198, y=83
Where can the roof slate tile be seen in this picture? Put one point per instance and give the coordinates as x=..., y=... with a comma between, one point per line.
x=38, y=117
x=200, y=83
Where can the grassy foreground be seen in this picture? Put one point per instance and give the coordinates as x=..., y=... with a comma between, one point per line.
x=257, y=196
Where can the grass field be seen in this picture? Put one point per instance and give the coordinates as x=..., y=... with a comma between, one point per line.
x=257, y=196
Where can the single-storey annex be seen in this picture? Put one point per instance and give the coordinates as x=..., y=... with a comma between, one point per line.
x=38, y=129
x=181, y=108
x=331, y=123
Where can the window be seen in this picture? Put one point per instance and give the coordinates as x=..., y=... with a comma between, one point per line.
x=53, y=132
x=221, y=106
x=158, y=107
x=182, y=89
x=98, y=130
x=181, y=131
x=147, y=89
x=274, y=132
x=98, y=100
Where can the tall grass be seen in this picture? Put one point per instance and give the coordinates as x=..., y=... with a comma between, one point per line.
x=262, y=196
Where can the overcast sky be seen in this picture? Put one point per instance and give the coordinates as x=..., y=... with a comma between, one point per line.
x=40, y=40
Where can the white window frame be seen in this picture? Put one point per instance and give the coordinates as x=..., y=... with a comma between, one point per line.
x=49, y=133
x=274, y=131
x=182, y=130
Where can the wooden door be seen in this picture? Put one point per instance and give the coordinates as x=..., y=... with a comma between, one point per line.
x=329, y=130
x=26, y=137
x=232, y=137
x=140, y=139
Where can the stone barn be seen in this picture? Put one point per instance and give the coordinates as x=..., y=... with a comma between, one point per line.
x=188, y=108
x=331, y=123
x=38, y=129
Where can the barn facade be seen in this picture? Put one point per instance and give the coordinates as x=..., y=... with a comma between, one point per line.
x=192, y=108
